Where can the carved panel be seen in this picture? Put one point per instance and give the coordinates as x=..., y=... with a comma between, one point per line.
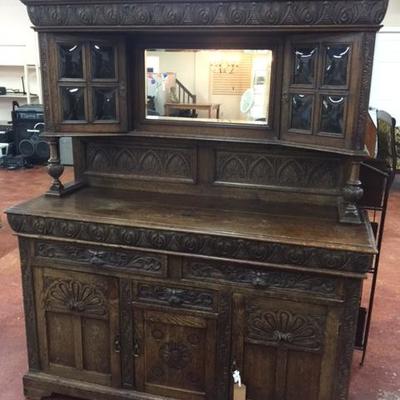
x=259, y=278
x=29, y=304
x=346, y=340
x=282, y=327
x=176, y=297
x=274, y=170
x=126, y=329
x=238, y=13
x=194, y=243
x=144, y=263
x=145, y=162
x=74, y=296
x=368, y=47
x=175, y=354
x=224, y=346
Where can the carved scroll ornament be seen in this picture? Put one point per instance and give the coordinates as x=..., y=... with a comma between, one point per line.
x=207, y=13
x=193, y=243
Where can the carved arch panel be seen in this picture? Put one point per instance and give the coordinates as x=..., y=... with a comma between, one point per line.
x=274, y=340
x=78, y=325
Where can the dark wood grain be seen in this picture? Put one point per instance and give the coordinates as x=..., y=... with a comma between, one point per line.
x=186, y=249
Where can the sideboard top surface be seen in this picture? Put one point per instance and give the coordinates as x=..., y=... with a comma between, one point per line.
x=273, y=223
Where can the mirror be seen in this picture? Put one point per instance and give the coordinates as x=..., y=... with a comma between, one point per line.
x=226, y=86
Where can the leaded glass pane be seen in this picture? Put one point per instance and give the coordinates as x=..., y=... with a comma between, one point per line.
x=103, y=61
x=104, y=104
x=336, y=61
x=71, y=64
x=332, y=114
x=304, y=66
x=302, y=107
x=73, y=103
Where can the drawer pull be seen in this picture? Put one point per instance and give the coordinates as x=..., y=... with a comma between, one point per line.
x=175, y=300
x=258, y=281
x=136, y=353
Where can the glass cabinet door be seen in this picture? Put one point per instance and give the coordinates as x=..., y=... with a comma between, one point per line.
x=90, y=92
x=316, y=89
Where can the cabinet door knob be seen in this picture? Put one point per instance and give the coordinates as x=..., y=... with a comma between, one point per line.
x=117, y=344
x=136, y=350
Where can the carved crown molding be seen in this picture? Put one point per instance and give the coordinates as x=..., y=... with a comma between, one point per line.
x=142, y=13
x=193, y=243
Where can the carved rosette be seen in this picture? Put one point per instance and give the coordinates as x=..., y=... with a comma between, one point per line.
x=224, y=13
x=175, y=355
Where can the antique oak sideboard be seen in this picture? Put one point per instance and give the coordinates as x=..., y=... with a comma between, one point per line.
x=188, y=247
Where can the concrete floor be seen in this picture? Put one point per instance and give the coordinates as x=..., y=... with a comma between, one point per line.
x=379, y=379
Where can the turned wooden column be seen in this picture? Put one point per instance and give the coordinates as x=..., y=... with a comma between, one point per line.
x=352, y=193
x=55, y=168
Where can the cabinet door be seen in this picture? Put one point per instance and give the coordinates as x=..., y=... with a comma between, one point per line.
x=285, y=350
x=78, y=325
x=88, y=84
x=320, y=89
x=175, y=354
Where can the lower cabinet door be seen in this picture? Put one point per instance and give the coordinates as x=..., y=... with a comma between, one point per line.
x=175, y=354
x=285, y=350
x=78, y=325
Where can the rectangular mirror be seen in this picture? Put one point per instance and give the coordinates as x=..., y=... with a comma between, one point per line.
x=222, y=86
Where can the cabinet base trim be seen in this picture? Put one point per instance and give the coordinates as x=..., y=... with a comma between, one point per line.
x=38, y=385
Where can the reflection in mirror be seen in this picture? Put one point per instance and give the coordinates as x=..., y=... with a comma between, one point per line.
x=337, y=58
x=332, y=114
x=71, y=61
x=73, y=103
x=304, y=65
x=229, y=86
x=302, y=107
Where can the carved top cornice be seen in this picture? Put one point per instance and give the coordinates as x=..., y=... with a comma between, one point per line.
x=219, y=14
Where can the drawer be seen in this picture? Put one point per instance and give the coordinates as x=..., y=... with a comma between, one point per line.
x=144, y=263
x=260, y=277
x=182, y=297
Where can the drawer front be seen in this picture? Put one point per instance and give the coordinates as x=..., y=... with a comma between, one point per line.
x=259, y=277
x=176, y=296
x=143, y=263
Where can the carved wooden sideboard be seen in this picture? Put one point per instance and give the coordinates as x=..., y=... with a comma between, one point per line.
x=186, y=248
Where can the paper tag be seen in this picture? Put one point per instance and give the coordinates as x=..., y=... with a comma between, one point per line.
x=239, y=392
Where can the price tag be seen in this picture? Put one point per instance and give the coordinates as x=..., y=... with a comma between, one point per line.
x=239, y=392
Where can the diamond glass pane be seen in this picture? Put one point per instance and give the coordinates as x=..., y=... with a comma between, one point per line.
x=71, y=64
x=336, y=61
x=302, y=107
x=304, y=66
x=104, y=104
x=332, y=114
x=103, y=61
x=73, y=103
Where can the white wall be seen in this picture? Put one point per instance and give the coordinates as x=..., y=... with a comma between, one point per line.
x=385, y=89
x=18, y=46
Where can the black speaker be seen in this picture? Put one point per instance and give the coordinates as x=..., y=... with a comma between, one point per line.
x=3, y=91
x=35, y=149
x=28, y=123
